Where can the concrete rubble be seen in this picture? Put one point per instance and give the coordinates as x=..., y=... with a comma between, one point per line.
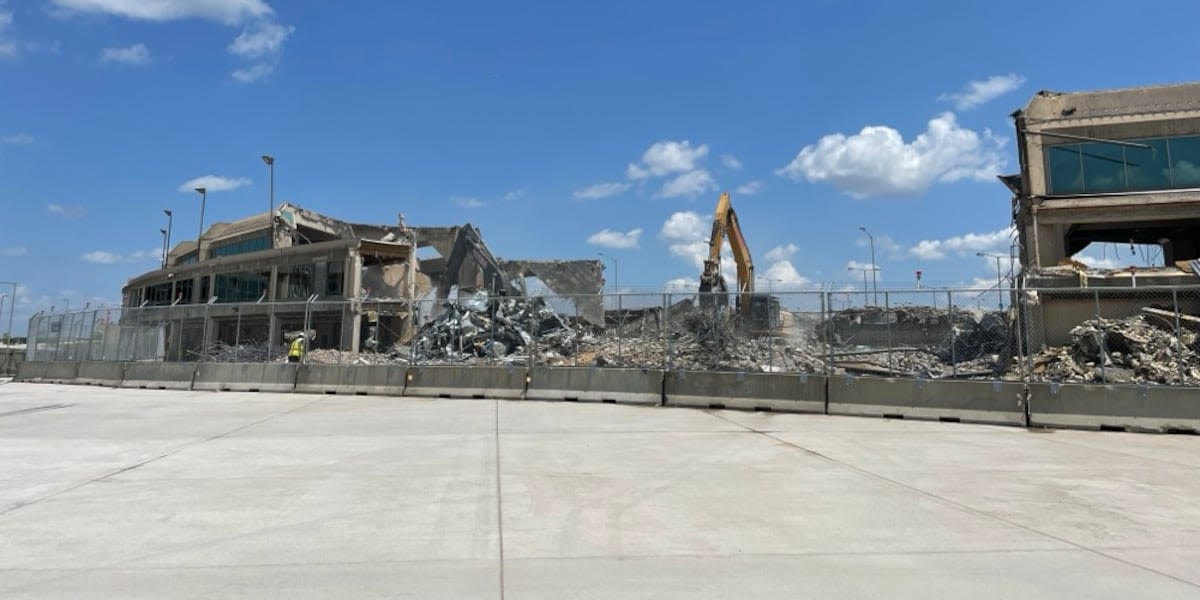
x=1135, y=349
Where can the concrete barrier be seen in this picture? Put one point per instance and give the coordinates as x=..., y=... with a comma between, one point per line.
x=10, y=360
x=997, y=402
x=589, y=384
x=245, y=377
x=60, y=372
x=30, y=371
x=100, y=373
x=504, y=383
x=791, y=392
x=159, y=375
x=1118, y=408
x=383, y=380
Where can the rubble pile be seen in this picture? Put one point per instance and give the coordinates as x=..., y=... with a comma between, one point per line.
x=345, y=357
x=504, y=328
x=1129, y=350
x=245, y=352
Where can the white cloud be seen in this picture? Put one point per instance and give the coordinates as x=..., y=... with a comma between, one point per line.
x=780, y=274
x=730, y=161
x=666, y=157
x=980, y=92
x=878, y=162
x=11, y=252
x=137, y=54
x=8, y=47
x=214, y=183
x=229, y=12
x=681, y=284
x=615, y=239
x=102, y=257
x=1100, y=263
x=782, y=252
x=600, y=190
x=265, y=39
x=514, y=195
x=963, y=245
x=688, y=184
x=466, y=202
x=19, y=139
x=686, y=227
x=750, y=188
x=253, y=73
x=854, y=265
x=70, y=212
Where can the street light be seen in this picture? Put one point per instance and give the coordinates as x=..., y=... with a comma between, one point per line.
x=270, y=161
x=164, y=248
x=999, y=280
x=874, y=281
x=167, y=243
x=864, y=272
x=616, y=273
x=12, y=304
x=203, y=200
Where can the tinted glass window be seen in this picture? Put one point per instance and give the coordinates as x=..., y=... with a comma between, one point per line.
x=1103, y=167
x=1185, y=161
x=1066, y=174
x=1147, y=168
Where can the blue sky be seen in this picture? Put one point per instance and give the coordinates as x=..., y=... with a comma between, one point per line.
x=560, y=129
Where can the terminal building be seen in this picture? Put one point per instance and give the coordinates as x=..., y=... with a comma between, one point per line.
x=359, y=287
x=1117, y=166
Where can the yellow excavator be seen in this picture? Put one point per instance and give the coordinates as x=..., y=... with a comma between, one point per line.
x=759, y=312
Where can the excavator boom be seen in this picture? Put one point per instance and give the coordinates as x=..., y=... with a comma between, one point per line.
x=758, y=311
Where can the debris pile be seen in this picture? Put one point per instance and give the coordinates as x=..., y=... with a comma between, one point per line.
x=244, y=352
x=505, y=328
x=1130, y=350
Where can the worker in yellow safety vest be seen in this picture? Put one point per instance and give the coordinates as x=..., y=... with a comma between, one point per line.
x=296, y=350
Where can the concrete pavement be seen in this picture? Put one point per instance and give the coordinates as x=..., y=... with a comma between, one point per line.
x=151, y=494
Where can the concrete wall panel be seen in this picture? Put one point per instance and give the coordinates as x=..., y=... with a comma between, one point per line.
x=968, y=401
x=100, y=373
x=383, y=380
x=625, y=386
x=61, y=372
x=1133, y=408
x=505, y=383
x=30, y=371
x=245, y=377
x=159, y=375
x=797, y=392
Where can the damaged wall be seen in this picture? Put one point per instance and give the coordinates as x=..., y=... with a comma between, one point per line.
x=582, y=280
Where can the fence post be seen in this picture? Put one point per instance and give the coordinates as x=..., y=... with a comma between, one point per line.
x=620, y=329
x=1181, y=356
x=827, y=327
x=887, y=315
x=953, y=335
x=1101, y=340
x=664, y=335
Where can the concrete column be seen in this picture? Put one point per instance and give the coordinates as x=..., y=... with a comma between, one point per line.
x=353, y=286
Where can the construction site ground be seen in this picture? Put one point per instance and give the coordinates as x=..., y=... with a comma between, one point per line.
x=160, y=494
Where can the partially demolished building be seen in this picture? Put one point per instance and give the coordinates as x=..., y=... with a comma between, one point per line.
x=1120, y=166
x=358, y=286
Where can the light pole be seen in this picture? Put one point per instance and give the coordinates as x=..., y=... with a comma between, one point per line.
x=164, y=248
x=167, y=243
x=874, y=281
x=203, y=200
x=616, y=273
x=864, y=272
x=999, y=279
x=12, y=304
x=270, y=161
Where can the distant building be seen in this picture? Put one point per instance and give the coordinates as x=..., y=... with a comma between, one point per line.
x=252, y=280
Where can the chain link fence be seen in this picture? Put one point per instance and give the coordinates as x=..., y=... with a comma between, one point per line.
x=1145, y=335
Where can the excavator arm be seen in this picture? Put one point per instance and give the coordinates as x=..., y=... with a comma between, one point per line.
x=725, y=225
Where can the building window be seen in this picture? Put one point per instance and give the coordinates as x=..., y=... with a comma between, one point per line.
x=183, y=291
x=295, y=282
x=158, y=295
x=1102, y=167
x=204, y=287
x=241, y=287
x=188, y=258
x=239, y=247
x=333, y=277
